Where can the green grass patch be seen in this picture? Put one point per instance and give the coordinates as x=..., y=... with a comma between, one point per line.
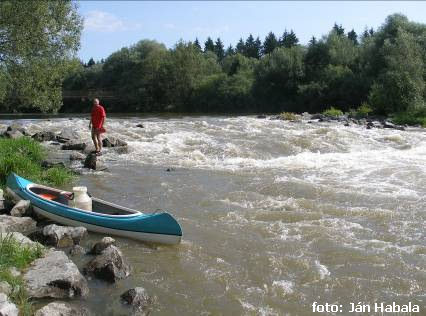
x=332, y=112
x=24, y=156
x=288, y=116
x=14, y=254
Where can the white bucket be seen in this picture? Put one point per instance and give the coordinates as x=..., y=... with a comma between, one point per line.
x=81, y=199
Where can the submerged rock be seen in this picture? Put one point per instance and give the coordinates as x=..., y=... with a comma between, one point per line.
x=61, y=309
x=77, y=250
x=16, y=224
x=139, y=299
x=102, y=245
x=63, y=236
x=21, y=208
x=74, y=146
x=44, y=136
x=7, y=308
x=140, y=125
x=110, y=265
x=92, y=162
x=113, y=142
x=55, y=276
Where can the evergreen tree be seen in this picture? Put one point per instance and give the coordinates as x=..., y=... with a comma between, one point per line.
x=209, y=45
x=282, y=39
x=339, y=29
x=91, y=62
x=218, y=49
x=270, y=43
x=229, y=51
x=197, y=44
x=258, y=46
x=289, y=39
x=253, y=47
x=312, y=41
x=353, y=36
x=241, y=47
x=371, y=32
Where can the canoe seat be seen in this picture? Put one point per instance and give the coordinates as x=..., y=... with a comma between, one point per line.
x=47, y=196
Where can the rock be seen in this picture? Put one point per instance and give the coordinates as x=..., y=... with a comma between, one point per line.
x=16, y=224
x=140, y=126
x=14, y=272
x=22, y=208
x=77, y=156
x=74, y=146
x=92, y=162
x=63, y=236
x=3, y=208
x=317, y=116
x=5, y=288
x=61, y=309
x=55, y=276
x=109, y=265
x=170, y=169
x=113, y=142
x=13, y=134
x=16, y=128
x=45, y=136
x=262, y=116
x=67, y=136
x=20, y=238
x=138, y=298
x=102, y=245
x=347, y=124
x=121, y=149
x=77, y=250
x=7, y=308
x=11, y=196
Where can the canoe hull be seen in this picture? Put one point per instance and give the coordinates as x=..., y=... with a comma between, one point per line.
x=157, y=228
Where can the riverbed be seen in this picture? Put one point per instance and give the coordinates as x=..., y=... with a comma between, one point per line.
x=276, y=215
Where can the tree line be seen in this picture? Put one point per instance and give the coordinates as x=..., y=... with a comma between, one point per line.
x=381, y=69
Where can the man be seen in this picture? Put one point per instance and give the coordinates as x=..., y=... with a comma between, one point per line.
x=96, y=125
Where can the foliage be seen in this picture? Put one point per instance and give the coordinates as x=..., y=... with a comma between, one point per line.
x=333, y=112
x=288, y=116
x=410, y=118
x=37, y=40
x=14, y=254
x=24, y=156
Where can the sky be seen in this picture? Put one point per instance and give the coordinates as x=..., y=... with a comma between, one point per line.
x=111, y=25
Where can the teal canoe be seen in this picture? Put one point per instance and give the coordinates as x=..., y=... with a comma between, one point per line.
x=105, y=217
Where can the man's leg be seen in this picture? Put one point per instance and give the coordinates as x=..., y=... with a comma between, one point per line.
x=95, y=140
x=99, y=138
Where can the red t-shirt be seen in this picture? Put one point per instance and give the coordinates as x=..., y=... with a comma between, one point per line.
x=98, y=113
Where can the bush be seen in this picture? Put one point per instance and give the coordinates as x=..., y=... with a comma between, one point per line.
x=288, y=116
x=333, y=112
x=24, y=156
x=410, y=118
x=362, y=111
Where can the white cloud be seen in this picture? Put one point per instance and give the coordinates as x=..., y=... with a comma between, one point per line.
x=107, y=22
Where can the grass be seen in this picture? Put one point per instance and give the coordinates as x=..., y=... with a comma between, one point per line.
x=333, y=112
x=288, y=116
x=24, y=156
x=410, y=118
x=15, y=254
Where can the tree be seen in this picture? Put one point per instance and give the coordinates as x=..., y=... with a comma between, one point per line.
x=91, y=62
x=253, y=47
x=197, y=45
x=340, y=31
x=37, y=41
x=241, y=47
x=218, y=49
x=288, y=39
x=353, y=36
x=209, y=45
x=230, y=51
x=270, y=43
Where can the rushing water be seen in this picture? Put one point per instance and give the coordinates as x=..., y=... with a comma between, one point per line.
x=276, y=215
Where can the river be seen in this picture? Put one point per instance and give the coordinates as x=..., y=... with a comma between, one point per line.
x=275, y=215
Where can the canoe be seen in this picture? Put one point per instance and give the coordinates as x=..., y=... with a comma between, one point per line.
x=105, y=217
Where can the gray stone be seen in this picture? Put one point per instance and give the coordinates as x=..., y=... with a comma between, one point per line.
x=92, y=162
x=16, y=224
x=67, y=136
x=113, y=142
x=74, y=146
x=110, y=265
x=77, y=156
x=102, y=245
x=120, y=149
x=55, y=276
x=44, y=136
x=13, y=134
x=20, y=238
x=63, y=236
x=16, y=127
x=77, y=250
x=140, y=125
x=61, y=309
x=139, y=299
x=12, y=196
x=7, y=308
x=5, y=288
x=22, y=208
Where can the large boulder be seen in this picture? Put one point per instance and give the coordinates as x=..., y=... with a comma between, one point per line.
x=44, y=136
x=7, y=308
x=13, y=134
x=110, y=265
x=61, y=309
x=74, y=146
x=23, y=225
x=23, y=240
x=113, y=142
x=92, y=162
x=67, y=136
x=102, y=245
x=63, y=236
x=139, y=299
x=22, y=208
x=55, y=276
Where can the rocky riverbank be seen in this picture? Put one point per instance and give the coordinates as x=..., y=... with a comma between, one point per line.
x=55, y=275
